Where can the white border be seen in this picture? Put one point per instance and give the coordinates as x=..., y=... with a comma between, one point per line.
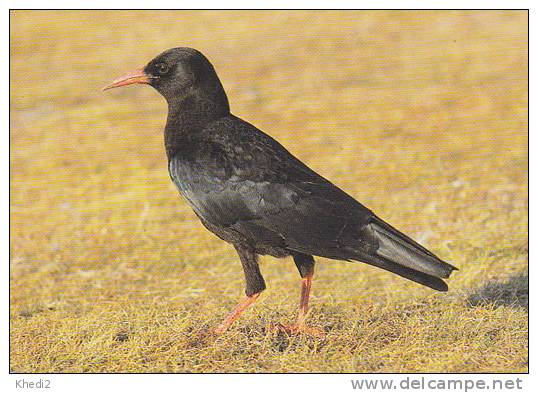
x=202, y=382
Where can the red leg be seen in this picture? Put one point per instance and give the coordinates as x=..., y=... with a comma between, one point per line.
x=306, y=287
x=300, y=326
x=236, y=313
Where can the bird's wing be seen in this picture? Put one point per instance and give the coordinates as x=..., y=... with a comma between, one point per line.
x=246, y=180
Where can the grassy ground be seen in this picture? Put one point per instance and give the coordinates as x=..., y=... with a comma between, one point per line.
x=420, y=115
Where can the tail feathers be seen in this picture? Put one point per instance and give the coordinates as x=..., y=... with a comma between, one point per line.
x=398, y=248
x=393, y=251
x=413, y=275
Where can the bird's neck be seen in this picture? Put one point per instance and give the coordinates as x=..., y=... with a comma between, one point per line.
x=191, y=114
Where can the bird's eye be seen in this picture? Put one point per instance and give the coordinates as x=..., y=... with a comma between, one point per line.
x=162, y=68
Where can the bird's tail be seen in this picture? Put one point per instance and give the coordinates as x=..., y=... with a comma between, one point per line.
x=400, y=254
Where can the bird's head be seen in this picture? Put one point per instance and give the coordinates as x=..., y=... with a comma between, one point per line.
x=175, y=74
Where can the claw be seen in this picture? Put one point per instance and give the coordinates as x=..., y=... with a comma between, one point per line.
x=219, y=329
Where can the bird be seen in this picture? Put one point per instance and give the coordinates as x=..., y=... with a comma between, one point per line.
x=250, y=191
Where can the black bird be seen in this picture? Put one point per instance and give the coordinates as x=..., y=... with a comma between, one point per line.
x=251, y=192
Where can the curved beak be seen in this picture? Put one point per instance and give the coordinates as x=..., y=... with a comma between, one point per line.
x=136, y=76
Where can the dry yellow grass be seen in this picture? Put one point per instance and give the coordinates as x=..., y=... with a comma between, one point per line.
x=422, y=116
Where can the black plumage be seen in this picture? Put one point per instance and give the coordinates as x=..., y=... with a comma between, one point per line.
x=250, y=191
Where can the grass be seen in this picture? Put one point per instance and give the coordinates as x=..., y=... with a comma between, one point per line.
x=422, y=116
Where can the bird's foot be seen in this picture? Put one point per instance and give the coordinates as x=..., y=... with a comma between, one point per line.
x=219, y=329
x=299, y=329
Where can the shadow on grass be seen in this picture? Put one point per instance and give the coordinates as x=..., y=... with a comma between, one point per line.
x=513, y=292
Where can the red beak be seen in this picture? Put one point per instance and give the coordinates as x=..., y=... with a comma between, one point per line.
x=136, y=76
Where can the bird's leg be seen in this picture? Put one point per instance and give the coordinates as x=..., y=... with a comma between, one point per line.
x=236, y=313
x=305, y=264
x=306, y=287
x=255, y=285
